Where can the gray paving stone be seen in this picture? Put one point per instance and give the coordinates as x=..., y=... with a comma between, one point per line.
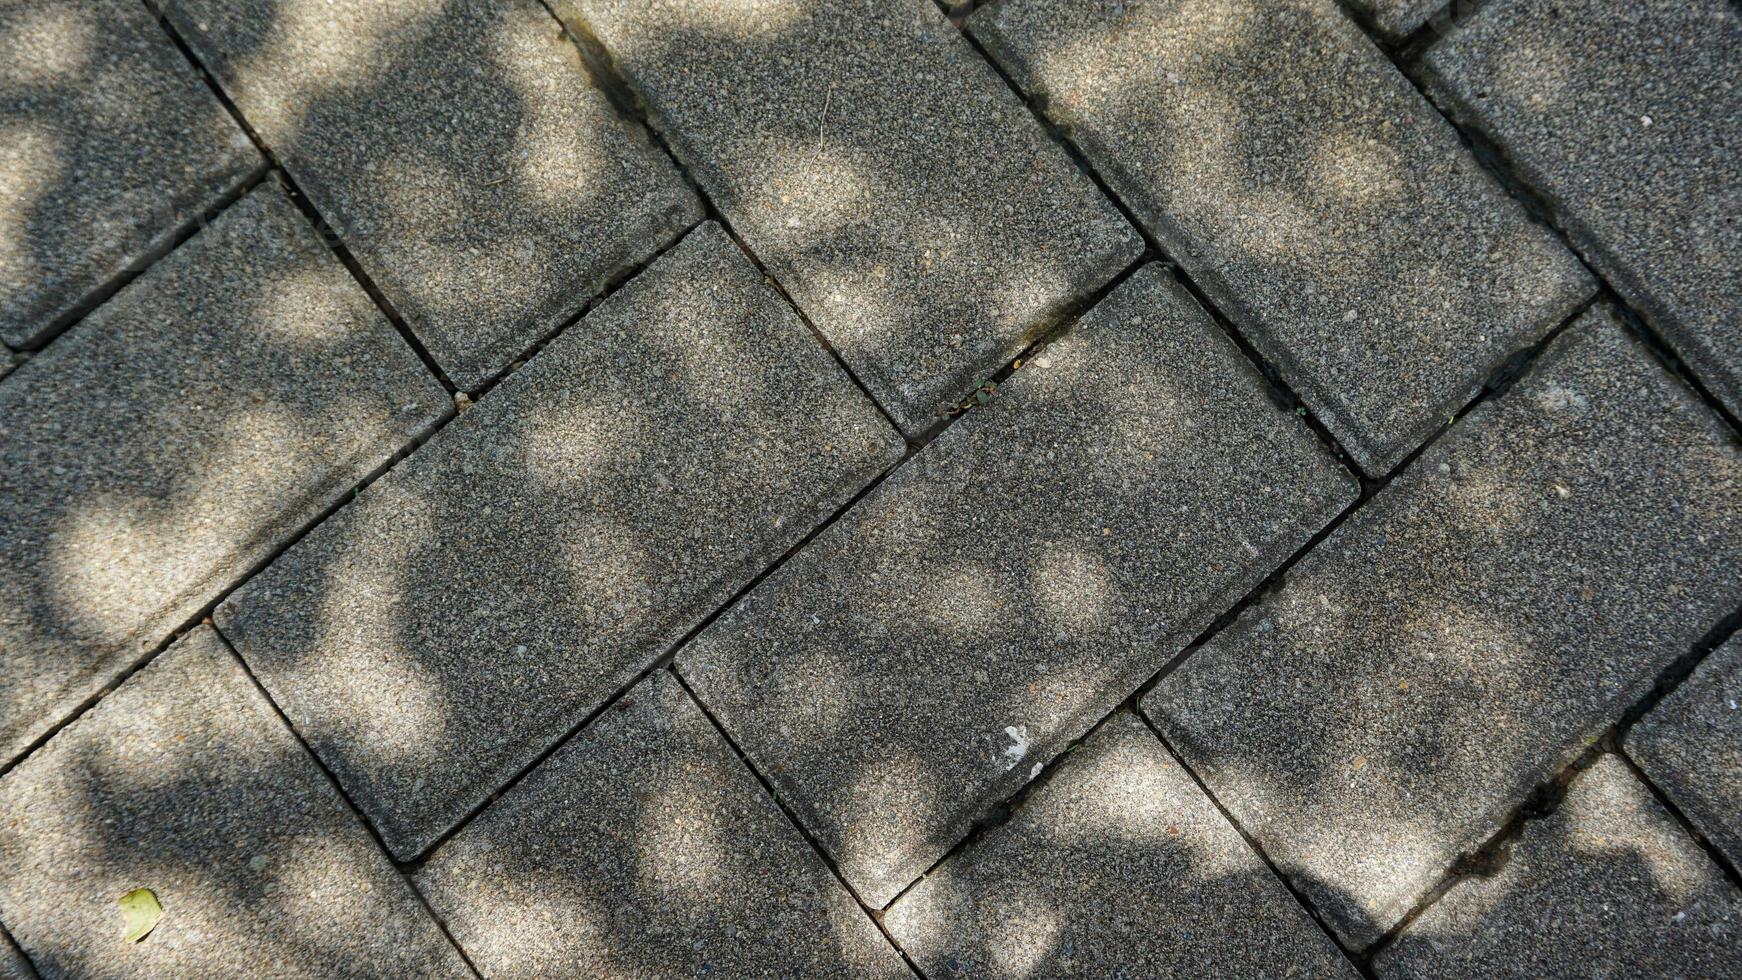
x=460, y=151
x=888, y=178
x=1395, y=19
x=1309, y=190
x=645, y=848
x=177, y=437
x=113, y=143
x=1010, y=585
x=1690, y=745
x=1627, y=118
x=1607, y=886
x=13, y=965
x=1470, y=630
x=186, y=782
x=1118, y=866
x=480, y=599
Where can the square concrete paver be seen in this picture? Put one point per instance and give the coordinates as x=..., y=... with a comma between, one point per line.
x=1609, y=885
x=1118, y=866
x=1013, y=582
x=1308, y=188
x=459, y=150
x=891, y=182
x=176, y=438
x=1690, y=745
x=186, y=782
x=112, y=144
x=645, y=848
x=1470, y=630
x=479, y=600
x=1627, y=116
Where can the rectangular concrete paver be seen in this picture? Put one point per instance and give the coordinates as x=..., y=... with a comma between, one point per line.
x=177, y=437
x=186, y=782
x=1012, y=583
x=645, y=848
x=460, y=151
x=1470, y=630
x=112, y=143
x=1609, y=885
x=1118, y=866
x=1627, y=116
x=479, y=600
x=891, y=182
x=1311, y=192
x=1690, y=745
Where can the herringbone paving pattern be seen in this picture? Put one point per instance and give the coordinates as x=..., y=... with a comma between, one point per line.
x=816, y=488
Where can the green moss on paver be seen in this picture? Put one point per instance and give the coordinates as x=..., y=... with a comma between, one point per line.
x=1310, y=191
x=186, y=782
x=484, y=596
x=112, y=144
x=645, y=848
x=888, y=178
x=1470, y=630
x=458, y=148
x=1627, y=116
x=1118, y=866
x=1690, y=745
x=1010, y=584
x=177, y=437
x=1608, y=886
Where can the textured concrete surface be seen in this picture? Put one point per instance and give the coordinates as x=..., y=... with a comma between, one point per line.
x=1013, y=582
x=111, y=144
x=890, y=180
x=13, y=965
x=1627, y=117
x=1118, y=866
x=1607, y=886
x=646, y=848
x=186, y=782
x=177, y=437
x=478, y=601
x=459, y=150
x=1690, y=745
x=1312, y=193
x=1470, y=630
x=1395, y=19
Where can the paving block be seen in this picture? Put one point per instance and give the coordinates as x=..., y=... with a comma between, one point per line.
x=178, y=437
x=887, y=177
x=1470, y=630
x=460, y=151
x=1396, y=19
x=1311, y=192
x=184, y=781
x=1006, y=588
x=1118, y=866
x=112, y=146
x=13, y=965
x=644, y=847
x=1626, y=117
x=1607, y=886
x=1690, y=745
x=477, y=602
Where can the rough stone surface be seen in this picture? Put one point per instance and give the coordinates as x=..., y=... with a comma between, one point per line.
x=480, y=599
x=177, y=437
x=460, y=151
x=1118, y=866
x=112, y=143
x=1470, y=630
x=1309, y=190
x=1627, y=116
x=645, y=848
x=1691, y=747
x=13, y=965
x=186, y=782
x=1395, y=19
x=1012, y=583
x=1608, y=886
x=908, y=201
